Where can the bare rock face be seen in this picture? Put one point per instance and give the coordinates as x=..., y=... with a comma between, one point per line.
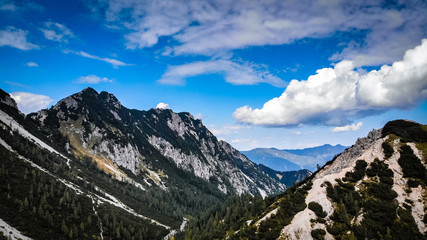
x=350, y=155
x=6, y=99
x=96, y=124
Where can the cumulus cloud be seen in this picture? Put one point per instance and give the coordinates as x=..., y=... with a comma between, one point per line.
x=349, y=127
x=32, y=64
x=16, y=38
x=162, y=105
x=210, y=26
x=334, y=96
x=93, y=79
x=57, y=32
x=30, y=102
x=234, y=73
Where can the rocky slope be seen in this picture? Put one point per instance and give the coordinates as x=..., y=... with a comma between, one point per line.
x=102, y=170
x=97, y=125
x=375, y=189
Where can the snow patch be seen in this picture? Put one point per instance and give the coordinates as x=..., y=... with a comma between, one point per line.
x=8, y=120
x=10, y=232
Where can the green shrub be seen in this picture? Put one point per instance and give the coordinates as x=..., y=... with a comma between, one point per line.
x=413, y=183
x=388, y=150
x=317, y=209
x=411, y=164
x=318, y=234
x=358, y=173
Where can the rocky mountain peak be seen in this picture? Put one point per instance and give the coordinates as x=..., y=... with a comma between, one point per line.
x=5, y=98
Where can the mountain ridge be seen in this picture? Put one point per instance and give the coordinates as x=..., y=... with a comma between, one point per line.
x=374, y=189
x=157, y=166
x=294, y=159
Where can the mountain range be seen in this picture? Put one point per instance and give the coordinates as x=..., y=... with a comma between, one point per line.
x=88, y=167
x=294, y=159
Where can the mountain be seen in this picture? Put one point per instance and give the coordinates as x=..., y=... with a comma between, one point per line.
x=89, y=167
x=373, y=190
x=294, y=159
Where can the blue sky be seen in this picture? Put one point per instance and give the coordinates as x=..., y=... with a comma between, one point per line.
x=284, y=74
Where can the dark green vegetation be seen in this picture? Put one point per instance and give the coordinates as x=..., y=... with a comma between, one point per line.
x=412, y=167
x=387, y=149
x=236, y=219
x=317, y=209
x=408, y=131
x=365, y=204
x=382, y=218
x=48, y=209
x=76, y=209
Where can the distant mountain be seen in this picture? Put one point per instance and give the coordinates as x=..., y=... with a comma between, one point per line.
x=90, y=168
x=375, y=189
x=294, y=159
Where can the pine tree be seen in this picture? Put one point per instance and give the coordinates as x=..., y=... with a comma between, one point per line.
x=64, y=227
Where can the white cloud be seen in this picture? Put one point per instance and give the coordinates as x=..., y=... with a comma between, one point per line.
x=162, y=105
x=30, y=102
x=19, y=6
x=211, y=26
x=349, y=127
x=93, y=79
x=234, y=73
x=334, y=96
x=57, y=32
x=8, y=7
x=114, y=62
x=16, y=38
x=245, y=140
x=32, y=64
x=226, y=129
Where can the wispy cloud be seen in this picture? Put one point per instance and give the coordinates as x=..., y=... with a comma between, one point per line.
x=116, y=63
x=19, y=6
x=211, y=26
x=93, y=79
x=57, y=32
x=227, y=129
x=349, y=127
x=234, y=73
x=16, y=38
x=16, y=84
x=30, y=102
x=7, y=6
x=335, y=96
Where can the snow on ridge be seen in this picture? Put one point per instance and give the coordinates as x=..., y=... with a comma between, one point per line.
x=10, y=232
x=9, y=121
x=111, y=199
